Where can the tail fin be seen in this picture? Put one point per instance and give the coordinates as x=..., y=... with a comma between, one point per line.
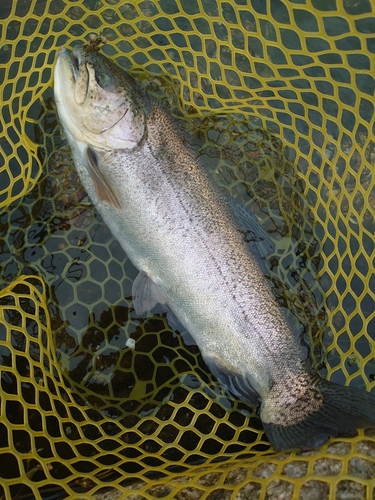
x=307, y=411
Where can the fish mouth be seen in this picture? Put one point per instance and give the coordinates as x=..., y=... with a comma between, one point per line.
x=75, y=62
x=78, y=55
x=75, y=59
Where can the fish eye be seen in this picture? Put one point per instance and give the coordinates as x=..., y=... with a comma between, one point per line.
x=101, y=79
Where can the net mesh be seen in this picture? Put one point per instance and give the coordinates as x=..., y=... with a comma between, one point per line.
x=281, y=96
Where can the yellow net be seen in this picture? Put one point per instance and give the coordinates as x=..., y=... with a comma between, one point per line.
x=281, y=96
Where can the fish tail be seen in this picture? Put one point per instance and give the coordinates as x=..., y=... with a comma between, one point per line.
x=308, y=410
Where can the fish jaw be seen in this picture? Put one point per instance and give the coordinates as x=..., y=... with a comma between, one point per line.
x=100, y=106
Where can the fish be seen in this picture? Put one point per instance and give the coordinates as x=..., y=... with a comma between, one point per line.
x=186, y=237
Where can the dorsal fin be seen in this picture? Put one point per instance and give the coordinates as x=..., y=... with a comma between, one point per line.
x=260, y=241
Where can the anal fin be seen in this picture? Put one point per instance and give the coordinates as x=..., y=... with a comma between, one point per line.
x=235, y=383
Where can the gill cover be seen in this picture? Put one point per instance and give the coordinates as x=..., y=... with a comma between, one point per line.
x=99, y=103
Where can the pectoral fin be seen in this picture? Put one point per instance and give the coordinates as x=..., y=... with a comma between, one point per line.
x=258, y=239
x=235, y=383
x=102, y=188
x=146, y=294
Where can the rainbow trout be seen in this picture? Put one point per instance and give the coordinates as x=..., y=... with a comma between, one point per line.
x=185, y=236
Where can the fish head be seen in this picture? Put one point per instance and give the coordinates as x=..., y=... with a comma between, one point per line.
x=98, y=102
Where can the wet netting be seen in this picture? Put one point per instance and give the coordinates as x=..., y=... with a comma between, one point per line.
x=99, y=403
